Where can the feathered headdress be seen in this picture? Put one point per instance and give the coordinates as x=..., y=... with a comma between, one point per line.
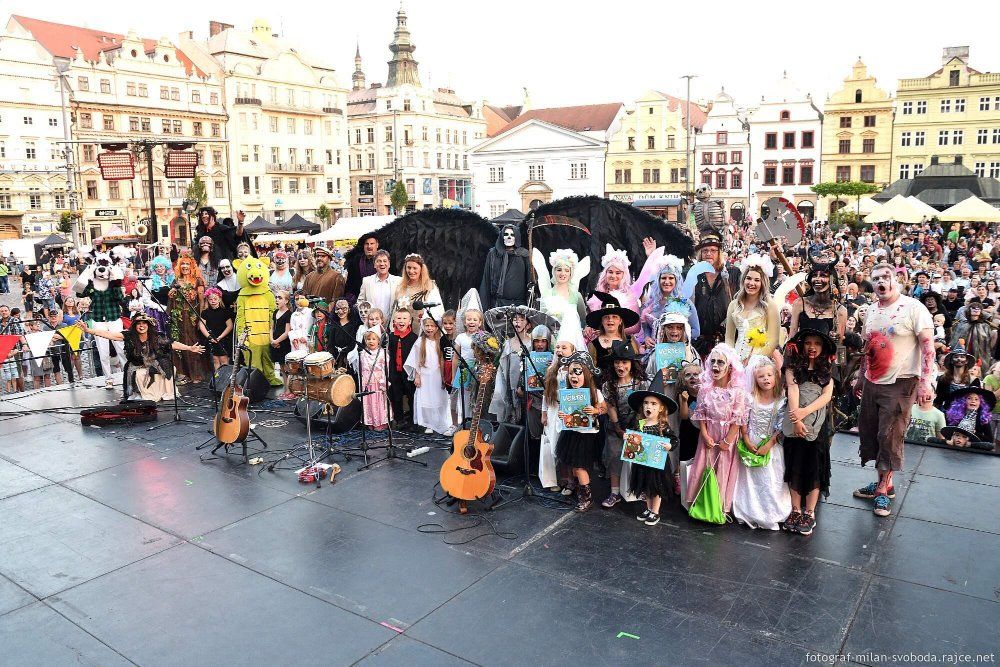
x=762, y=261
x=616, y=257
x=563, y=256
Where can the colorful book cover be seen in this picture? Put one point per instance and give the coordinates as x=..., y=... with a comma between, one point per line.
x=670, y=356
x=645, y=449
x=572, y=402
x=540, y=361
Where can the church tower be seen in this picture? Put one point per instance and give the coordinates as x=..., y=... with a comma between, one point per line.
x=358, y=78
x=402, y=67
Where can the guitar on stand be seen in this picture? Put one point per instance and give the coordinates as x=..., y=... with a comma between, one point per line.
x=468, y=473
x=232, y=421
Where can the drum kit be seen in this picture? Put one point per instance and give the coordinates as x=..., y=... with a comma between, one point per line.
x=313, y=376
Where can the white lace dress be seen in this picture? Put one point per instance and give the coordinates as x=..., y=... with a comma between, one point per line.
x=761, y=498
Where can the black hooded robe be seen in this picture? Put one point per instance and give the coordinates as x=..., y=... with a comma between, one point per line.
x=506, y=273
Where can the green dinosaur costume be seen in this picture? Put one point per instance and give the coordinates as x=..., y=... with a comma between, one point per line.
x=255, y=308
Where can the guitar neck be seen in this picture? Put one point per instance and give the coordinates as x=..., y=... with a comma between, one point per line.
x=478, y=410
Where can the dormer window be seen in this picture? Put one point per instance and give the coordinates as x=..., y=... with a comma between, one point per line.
x=857, y=96
x=786, y=115
x=953, y=77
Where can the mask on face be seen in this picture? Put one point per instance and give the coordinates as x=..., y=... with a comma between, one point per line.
x=508, y=237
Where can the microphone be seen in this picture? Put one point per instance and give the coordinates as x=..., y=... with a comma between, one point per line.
x=423, y=305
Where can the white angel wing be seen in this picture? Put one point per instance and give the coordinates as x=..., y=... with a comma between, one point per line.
x=581, y=271
x=542, y=277
x=782, y=291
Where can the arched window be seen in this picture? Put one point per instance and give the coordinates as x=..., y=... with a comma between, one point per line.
x=706, y=176
x=857, y=95
x=720, y=179
x=786, y=115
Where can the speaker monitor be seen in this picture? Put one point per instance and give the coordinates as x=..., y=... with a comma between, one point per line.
x=342, y=419
x=250, y=380
x=508, y=449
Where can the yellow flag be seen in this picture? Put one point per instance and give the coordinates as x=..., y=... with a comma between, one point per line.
x=72, y=335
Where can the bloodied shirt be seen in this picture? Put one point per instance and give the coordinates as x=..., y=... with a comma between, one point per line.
x=891, y=334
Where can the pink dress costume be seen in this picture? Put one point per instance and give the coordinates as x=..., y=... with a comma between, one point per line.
x=719, y=408
x=628, y=292
x=371, y=377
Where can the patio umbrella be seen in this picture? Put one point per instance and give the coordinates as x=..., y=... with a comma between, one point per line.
x=898, y=209
x=972, y=209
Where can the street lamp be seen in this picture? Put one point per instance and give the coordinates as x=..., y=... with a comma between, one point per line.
x=190, y=206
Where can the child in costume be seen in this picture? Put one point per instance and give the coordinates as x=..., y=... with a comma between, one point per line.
x=611, y=322
x=653, y=406
x=300, y=324
x=401, y=340
x=761, y=499
x=423, y=366
x=371, y=377
x=448, y=327
x=721, y=411
x=320, y=327
x=216, y=325
x=576, y=449
x=555, y=379
x=255, y=309
x=508, y=394
x=281, y=331
x=157, y=299
x=808, y=362
x=541, y=341
x=970, y=408
x=470, y=318
x=625, y=379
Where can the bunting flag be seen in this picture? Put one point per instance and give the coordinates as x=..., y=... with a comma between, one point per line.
x=38, y=342
x=72, y=334
x=7, y=344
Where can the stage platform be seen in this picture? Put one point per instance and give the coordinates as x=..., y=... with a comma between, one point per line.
x=118, y=545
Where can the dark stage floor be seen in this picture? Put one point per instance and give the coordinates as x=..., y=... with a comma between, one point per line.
x=118, y=545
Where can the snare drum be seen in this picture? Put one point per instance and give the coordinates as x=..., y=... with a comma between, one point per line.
x=293, y=361
x=319, y=364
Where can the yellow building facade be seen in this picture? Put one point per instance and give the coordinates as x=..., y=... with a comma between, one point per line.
x=857, y=134
x=952, y=114
x=646, y=164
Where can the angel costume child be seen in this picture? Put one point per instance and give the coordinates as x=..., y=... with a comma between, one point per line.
x=423, y=366
x=468, y=321
x=666, y=291
x=616, y=280
x=555, y=378
x=721, y=411
x=560, y=295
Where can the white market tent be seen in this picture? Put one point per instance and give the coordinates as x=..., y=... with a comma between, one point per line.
x=972, y=209
x=353, y=228
x=923, y=207
x=282, y=238
x=898, y=209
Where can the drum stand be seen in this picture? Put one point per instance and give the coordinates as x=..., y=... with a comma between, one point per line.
x=391, y=449
x=291, y=453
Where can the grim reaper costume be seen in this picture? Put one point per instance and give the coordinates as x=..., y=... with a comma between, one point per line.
x=507, y=271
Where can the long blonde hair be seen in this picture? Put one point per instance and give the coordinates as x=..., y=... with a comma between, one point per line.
x=764, y=300
x=435, y=340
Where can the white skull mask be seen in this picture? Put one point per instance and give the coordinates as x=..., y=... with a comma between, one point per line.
x=702, y=192
x=508, y=237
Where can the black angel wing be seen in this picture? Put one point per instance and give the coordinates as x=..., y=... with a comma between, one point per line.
x=622, y=225
x=452, y=242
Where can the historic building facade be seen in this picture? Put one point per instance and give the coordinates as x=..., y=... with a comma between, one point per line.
x=786, y=132
x=953, y=113
x=542, y=155
x=857, y=134
x=722, y=155
x=403, y=131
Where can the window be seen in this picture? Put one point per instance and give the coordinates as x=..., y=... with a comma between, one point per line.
x=197, y=128
x=919, y=138
x=631, y=143
x=307, y=126
x=674, y=175
x=574, y=170
x=996, y=135
x=290, y=97
x=720, y=180
x=706, y=177
x=60, y=201
x=646, y=176
x=984, y=104
x=175, y=94
x=536, y=172
x=29, y=150
x=650, y=142
x=654, y=176
x=942, y=137
x=843, y=173
x=957, y=137
x=217, y=155
x=388, y=132
x=907, y=108
x=130, y=88
x=437, y=135
x=272, y=123
x=91, y=189
x=960, y=105
x=293, y=155
x=706, y=158
x=196, y=96
x=496, y=174
x=722, y=138
x=844, y=146
x=329, y=186
x=867, y=145
x=219, y=191
x=904, y=171
x=980, y=169
x=868, y=173
x=3, y=149
x=371, y=135
x=133, y=123
x=244, y=153
x=246, y=185
x=88, y=152
x=917, y=168
x=276, y=186
x=671, y=142
x=808, y=139
x=143, y=90
x=243, y=121
x=787, y=174
x=770, y=175
x=427, y=160
x=721, y=157
x=922, y=107
x=275, y=154
x=34, y=200
x=106, y=86
x=905, y=138
x=113, y=190
x=82, y=83
x=786, y=115
x=86, y=121
x=994, y=169
x=216, y=130
x=623, y=176
x=164, y=93
x=845, y=121
x=5, y=202
x=736, y=180
x=371, y=161
x=389, y=161
x=465, y=137
x=953, y=77
x=869, y=121
x=109, y=122
x=805, y=174
x=290, y=125
x=788, y=140
x=857, y=96
x=736, y=157
x=53, y=122
x=945, y=106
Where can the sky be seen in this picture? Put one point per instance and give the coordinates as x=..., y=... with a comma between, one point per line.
x=569, y=53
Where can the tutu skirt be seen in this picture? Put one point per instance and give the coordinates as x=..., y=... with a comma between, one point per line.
x=807, y=465
x=652, y=482
x=576, y=449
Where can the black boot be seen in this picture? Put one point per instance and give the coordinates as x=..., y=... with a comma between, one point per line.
x=584, y=499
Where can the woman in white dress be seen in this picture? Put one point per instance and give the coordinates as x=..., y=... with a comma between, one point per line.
x=424, y=366
x=560, y=295
x=752, y=321
x=416, y=285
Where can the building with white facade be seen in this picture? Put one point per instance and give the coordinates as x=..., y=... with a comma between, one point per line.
x=287, y=126
x=405, y=131
x=126, y=88
x=786, y=132
x=33, y=179
x=722, y=155
x=542, y=155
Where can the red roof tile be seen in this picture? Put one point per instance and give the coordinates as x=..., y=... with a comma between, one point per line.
x=698, y=114
x=586, y=118
x=61, y=41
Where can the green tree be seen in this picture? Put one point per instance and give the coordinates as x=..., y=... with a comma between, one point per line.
x=399, y=198
x=65, y=225
x=197, y=191
x=856, y=189
x=323, y=213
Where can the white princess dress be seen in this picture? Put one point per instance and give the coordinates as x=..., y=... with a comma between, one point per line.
x=430, y=400
x=761, y=498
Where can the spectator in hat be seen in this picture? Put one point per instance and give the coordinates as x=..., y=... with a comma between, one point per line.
x=325, y=281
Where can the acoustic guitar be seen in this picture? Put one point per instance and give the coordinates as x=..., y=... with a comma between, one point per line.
x=468, y=474
x=232, y=421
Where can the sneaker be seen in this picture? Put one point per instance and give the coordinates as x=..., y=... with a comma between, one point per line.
x=882, y=506
x=644, y=515
x=109, y=384
x=567, y=490
x=612, y=500
x=652, y=518
x=450, y=430
x=806, y=524
x=428, y=431
x=870, y=492
x=553, y=489
x=790, y=524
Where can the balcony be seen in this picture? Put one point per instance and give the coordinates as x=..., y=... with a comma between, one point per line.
x=337, y=111
x=254, y=101
x=293, y=168
x=274, y=105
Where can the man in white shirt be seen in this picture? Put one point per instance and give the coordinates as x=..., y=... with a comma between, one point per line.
x=379, y=289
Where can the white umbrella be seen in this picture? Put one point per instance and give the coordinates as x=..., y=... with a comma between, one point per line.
x=926, y=209
x=972, y=209
x=353, y=228
x=898, y=209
